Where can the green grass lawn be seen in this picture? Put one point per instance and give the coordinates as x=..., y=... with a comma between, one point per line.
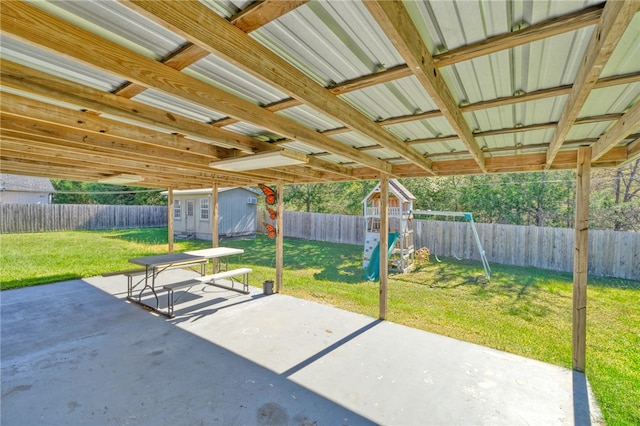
x=524, y=311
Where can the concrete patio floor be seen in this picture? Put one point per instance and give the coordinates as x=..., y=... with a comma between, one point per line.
x=76, y=352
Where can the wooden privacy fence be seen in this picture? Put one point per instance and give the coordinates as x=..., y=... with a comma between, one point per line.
x=613, y=254
x=16, y=218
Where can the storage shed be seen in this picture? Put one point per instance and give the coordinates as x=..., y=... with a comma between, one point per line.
x=237, y=210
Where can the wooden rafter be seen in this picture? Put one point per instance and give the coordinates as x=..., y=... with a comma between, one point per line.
x=539, y=31
x=260, y=13
x=633, y=151
x=253, y=17
x=615, y=18
x=31, y=24
x=218, y=36
x=396, y=23
x=628, y=123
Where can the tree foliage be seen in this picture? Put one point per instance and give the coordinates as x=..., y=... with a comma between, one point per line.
x=73, y=192
x=540, y=199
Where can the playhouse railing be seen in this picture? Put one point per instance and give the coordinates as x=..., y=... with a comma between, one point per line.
x=393, y=211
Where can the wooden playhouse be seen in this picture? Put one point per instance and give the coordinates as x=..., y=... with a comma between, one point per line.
x=401, y=255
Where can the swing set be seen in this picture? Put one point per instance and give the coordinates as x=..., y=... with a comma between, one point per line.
x=469, y=218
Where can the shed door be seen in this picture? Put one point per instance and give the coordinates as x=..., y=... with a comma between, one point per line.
x=190, y=223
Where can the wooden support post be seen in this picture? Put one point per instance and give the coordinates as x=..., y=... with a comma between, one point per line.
x=384, y=243
x=170, y=218
x=279, y=237
x=215, y=214
x=581, y=258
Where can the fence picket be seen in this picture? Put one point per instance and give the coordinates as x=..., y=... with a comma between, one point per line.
x=612, y=253
x=22, y=218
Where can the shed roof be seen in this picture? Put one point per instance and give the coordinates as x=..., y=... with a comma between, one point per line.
x=166, y=89
x=9, y=182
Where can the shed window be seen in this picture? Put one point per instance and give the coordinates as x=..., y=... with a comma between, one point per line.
x=204, y=209
x=177, y=210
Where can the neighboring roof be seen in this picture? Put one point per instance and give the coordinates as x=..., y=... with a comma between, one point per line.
x=18, y=183
x=409, y=89
x=208, y=191
x=395, y=188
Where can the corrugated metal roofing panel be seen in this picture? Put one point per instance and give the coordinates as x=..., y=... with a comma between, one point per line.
x=251, y=130
x=512, y=140
x=56, y=65
x=301, y=147
x=588, y=130
x=626, y=56
x=232, y=79
x=118, y=23
x=523, y=113
x=551, y=62
x=311, y=118
x=610, y=100
x=227, y=8
x=393, y=99
x=354, y=139
x=421, y=129
x=446, y=25
x=177, y=106
x=455, y=145
x=330, y=41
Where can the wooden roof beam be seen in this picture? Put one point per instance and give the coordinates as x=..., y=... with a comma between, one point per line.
x=258, y=13
x=219, y=37
x=633, y=151
x=395, y=21
x=261, y=12
x=33, y=25
x=539, y=31
x=615, y=18
x=35, y=82
x=626, y=125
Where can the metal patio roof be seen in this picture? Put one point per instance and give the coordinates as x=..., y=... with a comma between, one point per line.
x=164, y=89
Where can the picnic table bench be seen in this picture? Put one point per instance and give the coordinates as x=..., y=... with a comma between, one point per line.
x=213, y=280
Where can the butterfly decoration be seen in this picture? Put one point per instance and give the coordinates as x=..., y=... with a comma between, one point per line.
x=271, y=196
x=272, y=213
x=271, y=230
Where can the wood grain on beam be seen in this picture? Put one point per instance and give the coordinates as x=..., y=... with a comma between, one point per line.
x=615, y=18
x=260, y=13
x=397, y=24
x=38, y=83
x=633, y=151
x=253, y=17
x=194, y=21
x=180, y=59
x=628, y=123
x=30, y=24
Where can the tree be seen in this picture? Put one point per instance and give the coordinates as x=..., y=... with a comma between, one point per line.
x=72, y=192
x=616, y=198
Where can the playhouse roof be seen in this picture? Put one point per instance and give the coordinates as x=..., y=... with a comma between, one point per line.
x=163, y=92
x=396, y=189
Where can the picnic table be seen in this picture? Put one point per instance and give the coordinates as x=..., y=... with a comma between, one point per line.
x=155, y=265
